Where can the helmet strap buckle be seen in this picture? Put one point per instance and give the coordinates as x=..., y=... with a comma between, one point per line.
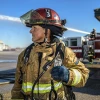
x=45, y=39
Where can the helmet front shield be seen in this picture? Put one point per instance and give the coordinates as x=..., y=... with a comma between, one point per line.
x=31, y=17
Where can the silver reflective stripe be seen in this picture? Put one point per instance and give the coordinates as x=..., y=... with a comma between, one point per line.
x=77, y=78
x=58, y=60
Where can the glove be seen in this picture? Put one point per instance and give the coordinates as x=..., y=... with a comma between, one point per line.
x=60, y=73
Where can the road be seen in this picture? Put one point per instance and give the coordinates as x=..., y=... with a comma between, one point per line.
x=91, y=91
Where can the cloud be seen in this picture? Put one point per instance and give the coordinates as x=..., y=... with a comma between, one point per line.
x=3, y=17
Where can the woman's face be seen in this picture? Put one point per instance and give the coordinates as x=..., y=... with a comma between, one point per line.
x=38, y=33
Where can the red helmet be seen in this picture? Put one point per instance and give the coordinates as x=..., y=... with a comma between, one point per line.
x=43, y=16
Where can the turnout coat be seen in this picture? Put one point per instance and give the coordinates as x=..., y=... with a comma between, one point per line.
x=78, y=73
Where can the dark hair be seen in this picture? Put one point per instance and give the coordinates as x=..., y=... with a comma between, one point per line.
x=55, y=31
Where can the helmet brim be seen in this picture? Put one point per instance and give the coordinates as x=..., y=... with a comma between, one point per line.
x=34, y=18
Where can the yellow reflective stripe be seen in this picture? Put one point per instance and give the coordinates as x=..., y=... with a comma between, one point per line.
x=43, y=88
x=40, y=85
x=77, y=78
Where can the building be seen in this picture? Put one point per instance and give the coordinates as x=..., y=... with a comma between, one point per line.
x=3, y=46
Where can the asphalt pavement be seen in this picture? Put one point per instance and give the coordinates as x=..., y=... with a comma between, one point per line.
x=91, y=91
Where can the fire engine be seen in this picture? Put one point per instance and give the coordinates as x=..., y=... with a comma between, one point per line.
x=80, y=45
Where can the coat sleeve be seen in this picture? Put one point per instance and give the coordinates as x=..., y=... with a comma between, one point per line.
x=16, y=90
x=78, y=73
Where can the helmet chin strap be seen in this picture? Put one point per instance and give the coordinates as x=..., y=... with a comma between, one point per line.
x=46, y=32
x=45, y=38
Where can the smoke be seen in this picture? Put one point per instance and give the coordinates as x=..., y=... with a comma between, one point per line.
x=3, y=17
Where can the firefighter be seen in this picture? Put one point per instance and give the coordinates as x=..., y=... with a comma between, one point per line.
x=93, y=34
x=47, y=67
x=91, y=54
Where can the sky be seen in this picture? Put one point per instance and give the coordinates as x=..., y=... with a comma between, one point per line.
x=78, y=13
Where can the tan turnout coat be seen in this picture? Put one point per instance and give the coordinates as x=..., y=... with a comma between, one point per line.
x=30, y=70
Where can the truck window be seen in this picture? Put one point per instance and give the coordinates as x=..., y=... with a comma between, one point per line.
x=73, y=42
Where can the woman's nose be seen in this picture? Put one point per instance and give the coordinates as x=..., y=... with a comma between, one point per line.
x=31, y=31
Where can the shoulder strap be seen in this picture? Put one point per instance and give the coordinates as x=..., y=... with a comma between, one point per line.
x=61, y=50
x=68, y=89
x=69, y=92
x=27, y=53
x=25, y=58
x=58, y=49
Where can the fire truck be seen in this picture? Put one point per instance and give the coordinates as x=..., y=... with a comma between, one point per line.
x=80, y=45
